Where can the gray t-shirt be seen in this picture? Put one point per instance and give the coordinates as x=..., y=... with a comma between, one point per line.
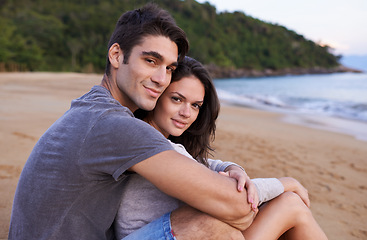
x=71, y=184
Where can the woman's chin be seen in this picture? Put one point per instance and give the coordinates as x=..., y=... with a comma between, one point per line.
x=176, y=133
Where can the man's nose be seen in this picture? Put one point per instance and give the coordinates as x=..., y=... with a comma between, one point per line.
x=161, y=77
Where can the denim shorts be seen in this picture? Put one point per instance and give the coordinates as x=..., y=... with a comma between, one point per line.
x=159, y=229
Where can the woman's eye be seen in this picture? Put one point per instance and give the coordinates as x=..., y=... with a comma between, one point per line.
x=197, y=106
x=176, y=99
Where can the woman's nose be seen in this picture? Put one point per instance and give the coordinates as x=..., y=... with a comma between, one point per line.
x=185, y=111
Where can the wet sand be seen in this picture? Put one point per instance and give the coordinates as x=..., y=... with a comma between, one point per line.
x=332, y=166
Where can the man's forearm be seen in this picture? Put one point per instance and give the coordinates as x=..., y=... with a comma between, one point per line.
x=197, y=186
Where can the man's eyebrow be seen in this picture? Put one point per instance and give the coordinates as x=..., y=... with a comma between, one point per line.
x=154, y=54
x=158, y=56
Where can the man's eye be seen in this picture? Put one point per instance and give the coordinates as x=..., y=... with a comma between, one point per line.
x=170, y=69
x=151, y=61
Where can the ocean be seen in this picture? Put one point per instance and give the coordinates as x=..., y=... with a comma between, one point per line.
x=335, y=102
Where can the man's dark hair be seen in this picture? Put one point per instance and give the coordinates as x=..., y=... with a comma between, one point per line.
x=149, y=20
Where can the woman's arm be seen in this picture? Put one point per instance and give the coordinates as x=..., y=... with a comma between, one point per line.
x=220, y=166
x=262, y=189
x=268, y=188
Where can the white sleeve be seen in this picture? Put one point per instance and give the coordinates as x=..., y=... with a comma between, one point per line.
x=268, y=188
x=215, y=165
x=220, y=166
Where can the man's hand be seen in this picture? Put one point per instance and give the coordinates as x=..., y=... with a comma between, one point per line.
x=243, y=180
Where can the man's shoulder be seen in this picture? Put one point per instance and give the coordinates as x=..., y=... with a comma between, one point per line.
x=99, y=101
x=120, y=124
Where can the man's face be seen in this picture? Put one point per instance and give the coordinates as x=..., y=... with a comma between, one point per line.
x=148, y=72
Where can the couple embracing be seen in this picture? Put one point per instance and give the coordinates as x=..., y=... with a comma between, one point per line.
x=99, y=172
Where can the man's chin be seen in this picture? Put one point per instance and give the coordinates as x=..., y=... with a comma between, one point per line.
x=148, y=106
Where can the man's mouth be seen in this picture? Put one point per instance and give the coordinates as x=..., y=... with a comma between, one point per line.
x=153, y=92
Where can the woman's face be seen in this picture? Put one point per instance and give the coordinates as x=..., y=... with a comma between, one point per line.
x=178, y=107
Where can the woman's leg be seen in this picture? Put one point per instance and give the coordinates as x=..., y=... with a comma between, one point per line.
x=285, y=216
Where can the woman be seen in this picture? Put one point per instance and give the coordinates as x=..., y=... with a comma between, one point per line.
x=186, y=114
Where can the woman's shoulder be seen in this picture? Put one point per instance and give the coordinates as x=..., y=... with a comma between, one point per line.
x=180, y=149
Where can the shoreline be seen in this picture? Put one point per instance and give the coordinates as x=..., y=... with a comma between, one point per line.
x=332, y=166
x=224, y=72
x=354, y=128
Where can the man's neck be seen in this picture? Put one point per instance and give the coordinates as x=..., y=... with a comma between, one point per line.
x=112, y=87
x=105, y=83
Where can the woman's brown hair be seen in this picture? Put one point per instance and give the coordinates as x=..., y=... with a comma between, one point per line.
x=197, y=138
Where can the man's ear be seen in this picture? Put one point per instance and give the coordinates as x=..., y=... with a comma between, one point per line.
x=115, y=55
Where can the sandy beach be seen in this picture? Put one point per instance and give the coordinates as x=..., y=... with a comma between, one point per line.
x=332, y=166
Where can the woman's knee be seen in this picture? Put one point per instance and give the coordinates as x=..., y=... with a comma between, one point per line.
x=291, y=199
x=295, y=206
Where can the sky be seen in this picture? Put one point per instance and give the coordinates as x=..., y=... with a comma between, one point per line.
x=341, y=24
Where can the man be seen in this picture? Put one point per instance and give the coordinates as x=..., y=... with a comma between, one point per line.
x=71, y=185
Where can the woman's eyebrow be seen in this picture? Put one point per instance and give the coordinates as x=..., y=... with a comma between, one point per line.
x=179, y=94
x=182, y=96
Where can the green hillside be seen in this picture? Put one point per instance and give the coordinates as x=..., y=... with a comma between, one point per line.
x=65, y=35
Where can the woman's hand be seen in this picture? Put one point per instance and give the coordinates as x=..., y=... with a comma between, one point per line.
x=243, y=180
x=292, y=185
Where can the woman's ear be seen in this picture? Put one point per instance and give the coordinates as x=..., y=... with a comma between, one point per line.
x=115, y=55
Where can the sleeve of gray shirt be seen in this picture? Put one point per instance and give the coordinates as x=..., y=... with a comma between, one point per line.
x=268, y=188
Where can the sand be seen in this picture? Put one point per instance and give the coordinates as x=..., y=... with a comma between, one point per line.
x=332, y=166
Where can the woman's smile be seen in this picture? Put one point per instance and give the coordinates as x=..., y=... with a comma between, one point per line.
x=179, y=124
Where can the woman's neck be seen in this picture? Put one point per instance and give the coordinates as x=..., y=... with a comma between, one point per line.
x=148, y=119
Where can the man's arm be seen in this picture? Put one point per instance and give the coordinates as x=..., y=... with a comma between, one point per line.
x=198, y=186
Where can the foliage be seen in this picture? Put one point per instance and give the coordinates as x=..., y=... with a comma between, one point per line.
x=65, y=35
